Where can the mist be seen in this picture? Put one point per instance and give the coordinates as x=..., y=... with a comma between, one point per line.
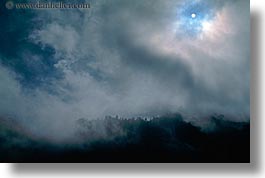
x=125, y=58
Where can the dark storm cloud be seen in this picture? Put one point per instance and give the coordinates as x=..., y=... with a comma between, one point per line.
x=129, y=58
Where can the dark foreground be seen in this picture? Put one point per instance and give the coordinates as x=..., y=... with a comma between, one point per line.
x=164, y=139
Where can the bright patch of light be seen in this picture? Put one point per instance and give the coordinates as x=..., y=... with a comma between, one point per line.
x=191, y=15
x=206, y=26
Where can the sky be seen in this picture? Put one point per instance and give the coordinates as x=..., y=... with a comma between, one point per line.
x=126, y=58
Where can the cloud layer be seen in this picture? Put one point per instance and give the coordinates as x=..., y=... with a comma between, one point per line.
x=127, y=58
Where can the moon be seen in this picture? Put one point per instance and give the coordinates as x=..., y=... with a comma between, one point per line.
x=193, y=15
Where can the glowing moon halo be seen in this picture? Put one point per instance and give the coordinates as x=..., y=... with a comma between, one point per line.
x=193, y=15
